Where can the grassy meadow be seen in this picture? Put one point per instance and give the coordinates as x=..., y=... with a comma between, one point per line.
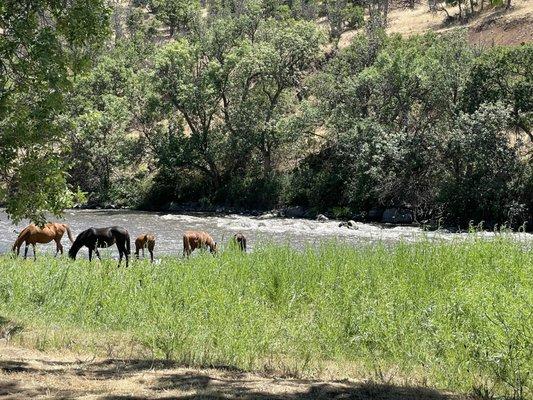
x=453, y=315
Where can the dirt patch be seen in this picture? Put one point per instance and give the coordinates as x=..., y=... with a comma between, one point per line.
x=28, y=373
x=502, y=30
x=497, y=26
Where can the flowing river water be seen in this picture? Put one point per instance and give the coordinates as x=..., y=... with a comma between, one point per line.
x=169, y=229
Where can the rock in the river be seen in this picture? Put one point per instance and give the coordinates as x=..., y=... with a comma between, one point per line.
x=397, y=216
x=173, y=207
x=321, y=218
x=348, y=224
x=293, y=212
x=360, y=216
x=375, y=214
x=267, y=216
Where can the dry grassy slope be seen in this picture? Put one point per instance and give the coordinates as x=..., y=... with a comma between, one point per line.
x=492, y=27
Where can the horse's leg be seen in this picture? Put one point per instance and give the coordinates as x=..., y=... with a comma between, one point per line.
x=34, y=254
x=143, y=251
x=90, y=254
x=59, y=247
x=120, y=255
x=151, y=255
x=97, y=253
x=26, y=250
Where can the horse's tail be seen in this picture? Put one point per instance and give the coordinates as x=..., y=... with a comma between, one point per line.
x=21, y=238
x=128, y=244
x=185, y=245
x=69, y=233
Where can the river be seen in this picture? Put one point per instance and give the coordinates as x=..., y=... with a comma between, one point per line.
x=169, y=228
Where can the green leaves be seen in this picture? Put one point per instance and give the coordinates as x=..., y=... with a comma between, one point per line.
x=234, y=89
x=41, y=44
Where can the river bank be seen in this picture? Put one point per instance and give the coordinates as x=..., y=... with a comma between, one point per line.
x=445, y=315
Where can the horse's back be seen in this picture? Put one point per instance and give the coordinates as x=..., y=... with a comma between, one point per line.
x=110, y=231
x=119, y=230
x=34, y=234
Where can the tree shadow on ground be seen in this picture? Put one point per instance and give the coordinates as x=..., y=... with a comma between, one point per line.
x=16, y=390
x=206, y=387
x=172, y=382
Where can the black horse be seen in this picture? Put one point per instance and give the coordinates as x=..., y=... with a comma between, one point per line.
x=94, y=238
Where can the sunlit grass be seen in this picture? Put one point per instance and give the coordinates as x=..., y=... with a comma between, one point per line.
x=455, y=315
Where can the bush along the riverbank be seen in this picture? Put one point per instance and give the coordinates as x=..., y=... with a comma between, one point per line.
x=453, y=315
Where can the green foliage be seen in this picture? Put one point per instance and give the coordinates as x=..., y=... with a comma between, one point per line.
x=397, y=119
x=176, y=14
x=42, y=43
x=481, y=162
x=252, y=104
x=236, y=90
x=504, y=74
x=454, y=315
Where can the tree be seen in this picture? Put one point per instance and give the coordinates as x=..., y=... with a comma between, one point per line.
x=176, y=14
x=342, y=15
x=480, y=167
x=234, y=89
x=505, y=74
x=42, y=44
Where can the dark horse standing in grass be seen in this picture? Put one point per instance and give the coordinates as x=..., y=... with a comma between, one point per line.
x=94, y=238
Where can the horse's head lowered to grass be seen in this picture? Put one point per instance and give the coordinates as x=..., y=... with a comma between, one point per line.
x=93, y=238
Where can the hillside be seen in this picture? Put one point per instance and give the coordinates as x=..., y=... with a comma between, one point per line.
x=491, y=27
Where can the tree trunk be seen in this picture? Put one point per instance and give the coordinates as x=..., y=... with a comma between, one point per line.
x=267, y=163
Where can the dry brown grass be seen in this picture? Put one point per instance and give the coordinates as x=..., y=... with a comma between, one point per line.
x=28, y=373
x=493, y=26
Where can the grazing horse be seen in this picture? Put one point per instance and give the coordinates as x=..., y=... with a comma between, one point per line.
x=94, y=238
x=32, y=234
x=239, y=240
x=145, y=241
x=194, y=239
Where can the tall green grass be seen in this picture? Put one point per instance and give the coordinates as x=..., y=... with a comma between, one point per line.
x=455, y=315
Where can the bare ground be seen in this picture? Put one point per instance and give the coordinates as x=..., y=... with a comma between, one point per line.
x=493, y=26
x=26, y=373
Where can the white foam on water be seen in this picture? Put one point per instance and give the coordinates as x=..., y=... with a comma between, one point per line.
x=169, y=229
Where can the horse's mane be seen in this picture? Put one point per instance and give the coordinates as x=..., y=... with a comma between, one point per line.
x=78, y=243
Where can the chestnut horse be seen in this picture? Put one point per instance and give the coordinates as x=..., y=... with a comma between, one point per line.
x=239, y=240
x=195, y=239
x=145, y=241
x=32, y=234
x=93, y=238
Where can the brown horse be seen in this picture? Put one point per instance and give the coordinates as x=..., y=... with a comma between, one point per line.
x=32, y=234
x=239, y=240
x=195, y=239
x=145, y=241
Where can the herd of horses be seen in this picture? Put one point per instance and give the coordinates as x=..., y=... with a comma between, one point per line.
x=95, y=238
